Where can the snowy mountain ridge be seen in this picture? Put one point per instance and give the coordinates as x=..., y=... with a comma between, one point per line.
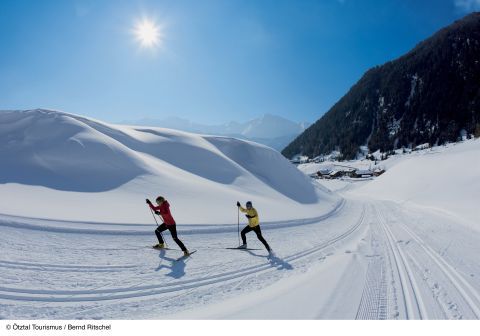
x=271, y=130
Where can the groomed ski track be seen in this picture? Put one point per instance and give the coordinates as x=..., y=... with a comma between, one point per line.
x=365, y=259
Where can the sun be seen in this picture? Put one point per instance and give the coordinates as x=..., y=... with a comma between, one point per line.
x=148, y=33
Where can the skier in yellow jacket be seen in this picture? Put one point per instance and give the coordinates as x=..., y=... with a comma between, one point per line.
x=253, y=225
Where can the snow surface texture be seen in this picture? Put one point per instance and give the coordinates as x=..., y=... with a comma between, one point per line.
x=65, y=167
x=361, y=258
x=440, y=179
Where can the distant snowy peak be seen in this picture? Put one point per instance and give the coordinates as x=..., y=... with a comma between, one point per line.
x=270, y=130
x=270, y=126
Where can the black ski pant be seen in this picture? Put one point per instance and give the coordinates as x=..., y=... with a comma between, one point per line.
x=173, y=231
x=257, y=230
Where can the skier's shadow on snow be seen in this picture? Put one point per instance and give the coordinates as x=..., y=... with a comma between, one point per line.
x=275, y=261
x=177, y=266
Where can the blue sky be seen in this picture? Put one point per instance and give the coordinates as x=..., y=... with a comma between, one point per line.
x=218, y=61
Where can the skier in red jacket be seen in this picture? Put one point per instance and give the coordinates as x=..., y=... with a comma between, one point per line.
x=163, y=210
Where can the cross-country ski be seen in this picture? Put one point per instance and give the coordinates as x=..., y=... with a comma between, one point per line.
x=186, y=256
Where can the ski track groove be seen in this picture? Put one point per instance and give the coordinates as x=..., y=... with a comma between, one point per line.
x=415, y=306
x=90, y=309
x=375, y=293
x=17, y=294
x=65, y=268
x=464, y=289
x=44, y=225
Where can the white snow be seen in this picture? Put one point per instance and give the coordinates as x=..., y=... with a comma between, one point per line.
x=444, y=181
x=61, y=166
x=401, y=246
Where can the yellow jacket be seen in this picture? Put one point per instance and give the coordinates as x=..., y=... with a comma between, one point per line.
x=253, y=220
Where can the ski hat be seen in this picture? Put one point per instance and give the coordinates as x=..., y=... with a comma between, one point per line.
x=160, y=199
x=249, y=203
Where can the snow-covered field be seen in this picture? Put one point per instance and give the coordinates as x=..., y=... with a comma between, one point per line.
x=75, y=230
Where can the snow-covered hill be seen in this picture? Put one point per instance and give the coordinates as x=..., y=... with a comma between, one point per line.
x=61, y=166
x=270, y=130
x=444, y=179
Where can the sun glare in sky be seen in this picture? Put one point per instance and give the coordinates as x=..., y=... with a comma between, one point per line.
x=148, y=33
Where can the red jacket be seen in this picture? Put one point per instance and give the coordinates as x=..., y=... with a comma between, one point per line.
x=164, y=209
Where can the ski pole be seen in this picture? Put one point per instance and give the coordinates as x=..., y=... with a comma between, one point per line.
x=238, y=224
x=153, y=216
x=161, y=235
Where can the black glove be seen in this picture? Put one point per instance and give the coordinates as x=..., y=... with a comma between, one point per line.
x=157, y=213
x=248, y=216
x=148, y=201
x=238, y=204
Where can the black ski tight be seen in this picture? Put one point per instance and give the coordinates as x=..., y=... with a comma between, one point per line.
x=173, y=231
x=257, y=230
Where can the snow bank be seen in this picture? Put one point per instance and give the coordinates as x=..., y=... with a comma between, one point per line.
x=446, y=180
x=57, y=165
x=60, y=152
